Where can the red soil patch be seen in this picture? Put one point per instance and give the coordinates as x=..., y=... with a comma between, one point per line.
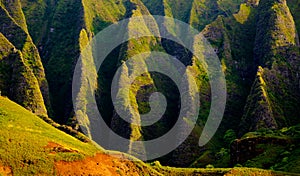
x=5, y=170
x=101, y=164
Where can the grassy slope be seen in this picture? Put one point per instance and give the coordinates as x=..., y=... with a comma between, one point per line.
x=24, y=136
x=28, y=145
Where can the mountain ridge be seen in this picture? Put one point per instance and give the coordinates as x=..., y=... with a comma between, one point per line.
x=256, y=41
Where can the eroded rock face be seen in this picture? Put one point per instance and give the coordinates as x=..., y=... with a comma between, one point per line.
x=17, y=80
x=275, y=53
x=20, y=59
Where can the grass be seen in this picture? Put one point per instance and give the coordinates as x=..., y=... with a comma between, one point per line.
x=24, y=137
x=240, y=171
x=243, y=14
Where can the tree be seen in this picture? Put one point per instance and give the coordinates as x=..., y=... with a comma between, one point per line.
x=229, y=136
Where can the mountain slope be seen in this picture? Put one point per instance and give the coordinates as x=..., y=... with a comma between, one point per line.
x=277, y=51
x=31, y=146
x=17, y=79
x=14, y=24
x=256, y=41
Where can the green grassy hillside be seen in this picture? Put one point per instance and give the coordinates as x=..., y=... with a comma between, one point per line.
x=30, y=146
x=24, y=138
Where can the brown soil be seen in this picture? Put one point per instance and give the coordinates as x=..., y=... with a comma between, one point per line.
x=101, y=164
x=5, y=170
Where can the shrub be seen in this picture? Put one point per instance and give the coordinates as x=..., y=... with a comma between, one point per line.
x=229, y=136
x=209, y=166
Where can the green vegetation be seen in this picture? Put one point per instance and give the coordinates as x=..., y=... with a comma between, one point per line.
x=36, y=18
x=228, y=6
x=216, y=171
x=13, y=18
x=258, y=46
x=229, y=136
x=24, y=138
x=276, y=156
x=17, y=79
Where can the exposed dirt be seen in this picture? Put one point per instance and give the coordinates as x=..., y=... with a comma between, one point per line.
x=5, y=170
x=101, y=164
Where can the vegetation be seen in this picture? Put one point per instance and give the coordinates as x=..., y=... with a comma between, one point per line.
x=24, y=138
x=258, y=46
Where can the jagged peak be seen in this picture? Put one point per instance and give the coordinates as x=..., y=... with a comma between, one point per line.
x=258, y=111
x=276, y=31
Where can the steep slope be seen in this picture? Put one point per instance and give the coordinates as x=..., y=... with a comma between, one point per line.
x=256, y=41
x=294, y=8
x=235, y=38
x=17, y=79
x=14, y=24
x=22, y=72
x=31, y=146
x=227, y=36
x=277, y=51
x=60, y=50
x=61, y=44
x=25, y=44
x=37, y=16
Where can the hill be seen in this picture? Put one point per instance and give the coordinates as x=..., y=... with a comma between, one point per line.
x=30, y=146
x=256, y=41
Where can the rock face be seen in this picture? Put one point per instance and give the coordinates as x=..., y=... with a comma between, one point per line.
x=258, y=111
x=273, y=93
x=22, y=73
